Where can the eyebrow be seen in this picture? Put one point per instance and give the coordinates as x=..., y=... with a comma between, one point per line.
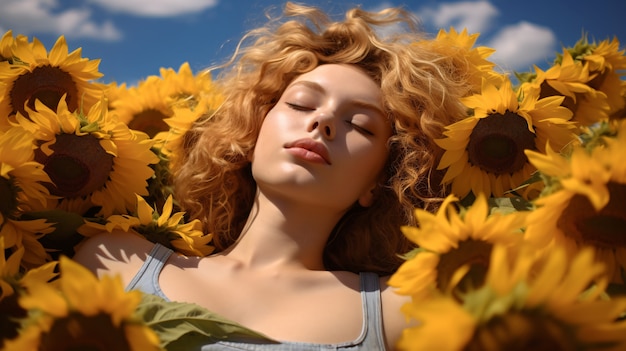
x=358, y=103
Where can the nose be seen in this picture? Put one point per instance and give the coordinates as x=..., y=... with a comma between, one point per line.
x=324, y=124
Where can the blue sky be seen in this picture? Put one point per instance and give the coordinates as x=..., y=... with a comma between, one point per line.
x=134, y=38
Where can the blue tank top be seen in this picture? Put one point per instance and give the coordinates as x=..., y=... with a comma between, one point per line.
x=370, y=339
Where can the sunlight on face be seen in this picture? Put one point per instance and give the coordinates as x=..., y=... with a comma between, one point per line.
x=325, y=141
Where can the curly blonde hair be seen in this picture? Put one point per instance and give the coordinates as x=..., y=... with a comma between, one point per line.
x=421, y=88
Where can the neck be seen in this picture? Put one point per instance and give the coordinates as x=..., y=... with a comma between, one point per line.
x=282, y=234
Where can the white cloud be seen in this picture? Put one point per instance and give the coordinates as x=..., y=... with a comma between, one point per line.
x=520, y=46
x=476, y=16
x=156, y=8
x=43, y=16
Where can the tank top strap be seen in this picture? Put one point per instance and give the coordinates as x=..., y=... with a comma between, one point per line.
x=147, y=278
x=370, y=290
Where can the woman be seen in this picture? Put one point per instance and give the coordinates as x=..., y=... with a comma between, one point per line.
x=321, y=150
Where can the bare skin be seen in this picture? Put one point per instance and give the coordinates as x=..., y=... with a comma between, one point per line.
x=273, y=279
x=284, y=304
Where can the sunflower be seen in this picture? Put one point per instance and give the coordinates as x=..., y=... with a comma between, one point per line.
x=169, y=230
x=479, y=67
x=92, y=159
x=21, y=177
x=21, y=191
x=130, y=106
x=172, y=142
x=189, y=89
x=19, y=233
x=448, y=241
x=84, y=313
x=528, y=302
x=149, y=106
x=191, y=98
x=606, y=63
x=165, y=107
x=571, y=79
x=585, y=205
x=31, y=73
x=144, y=107
x=12, y=283
x=484, y=153
x=114, y=91
x=546, y=300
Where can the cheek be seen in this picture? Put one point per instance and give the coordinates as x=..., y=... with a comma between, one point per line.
x=377, y=163
x=270, y=129
x=369, y=159
x=277, y=122
x=276, y=129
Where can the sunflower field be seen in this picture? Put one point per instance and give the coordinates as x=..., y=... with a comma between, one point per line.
x=527, y=252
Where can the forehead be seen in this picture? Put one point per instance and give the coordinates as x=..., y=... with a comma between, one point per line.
x=342, y=79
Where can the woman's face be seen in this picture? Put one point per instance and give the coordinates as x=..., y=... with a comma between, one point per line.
x=325, y=141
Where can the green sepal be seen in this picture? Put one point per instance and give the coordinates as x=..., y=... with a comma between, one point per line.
x=187, y=326
x=506, y=205
x=412, y=253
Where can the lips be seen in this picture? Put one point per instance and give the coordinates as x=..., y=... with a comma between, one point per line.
x=317, y=148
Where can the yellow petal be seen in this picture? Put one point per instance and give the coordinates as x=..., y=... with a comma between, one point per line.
x=77, y=284
x=144, y=211
x=44, y=297
x=166, y=211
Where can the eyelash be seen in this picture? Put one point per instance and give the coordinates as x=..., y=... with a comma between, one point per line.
x=298, y=107
x=359, y=128
x=355, y=126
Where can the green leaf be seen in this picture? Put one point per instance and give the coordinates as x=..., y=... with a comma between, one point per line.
x=412, y=253
x=535, y=177
x=187, y=326
x=65, y=223
x=65, y=236
x=508, y=204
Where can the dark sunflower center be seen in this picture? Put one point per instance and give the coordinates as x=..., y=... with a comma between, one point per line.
x=474, y=253
x=497, y=143
x=546, y=90
x=78, y=166
x=8, y=197
x=605, y=228
x=10, y=313
x=521, y=331
x=78, y=332
x=47, y=84
x=149, y=121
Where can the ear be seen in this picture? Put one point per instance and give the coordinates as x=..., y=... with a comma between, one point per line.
x=367, y=198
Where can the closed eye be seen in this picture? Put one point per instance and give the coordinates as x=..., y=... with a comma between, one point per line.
x=298, y=107
x=359, y=129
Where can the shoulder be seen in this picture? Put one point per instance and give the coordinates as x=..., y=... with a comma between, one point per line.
x=394, y=321
x=116, y=253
